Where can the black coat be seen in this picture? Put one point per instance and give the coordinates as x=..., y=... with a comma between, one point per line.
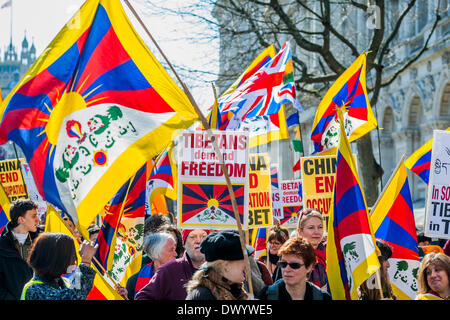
x=14, y=270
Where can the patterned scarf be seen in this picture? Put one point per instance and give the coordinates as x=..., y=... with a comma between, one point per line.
x=220, y=287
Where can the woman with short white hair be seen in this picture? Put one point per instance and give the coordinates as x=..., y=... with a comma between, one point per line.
x=160, y=248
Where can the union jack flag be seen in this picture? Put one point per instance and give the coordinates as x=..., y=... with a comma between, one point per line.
x=264, y=92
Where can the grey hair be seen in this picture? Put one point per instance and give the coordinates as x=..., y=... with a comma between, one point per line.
x=154, y=244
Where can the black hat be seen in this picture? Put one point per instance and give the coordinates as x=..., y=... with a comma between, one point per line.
x=223, y=245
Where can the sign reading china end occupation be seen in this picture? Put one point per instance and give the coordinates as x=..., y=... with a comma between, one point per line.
x=437, y=208
x=203, y=197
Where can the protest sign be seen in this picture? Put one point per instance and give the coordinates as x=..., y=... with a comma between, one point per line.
x=12, y=179
x=260, y=202
x=203, y=197
x=318, y=182
x=437, y=207
x=277, y=203
x=290, y=216
x=291, y=192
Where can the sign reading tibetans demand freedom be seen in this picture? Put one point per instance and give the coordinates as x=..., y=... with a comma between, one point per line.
x=291, y=192
x=437, y=208
x=12, y=179
x=203, y=197
x=260, y=202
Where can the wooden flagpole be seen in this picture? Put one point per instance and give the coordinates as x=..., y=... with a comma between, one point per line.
x=216, y=149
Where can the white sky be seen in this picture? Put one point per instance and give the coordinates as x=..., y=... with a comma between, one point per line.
x=43, y=19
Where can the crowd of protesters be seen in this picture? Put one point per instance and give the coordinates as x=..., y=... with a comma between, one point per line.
x=196, y=264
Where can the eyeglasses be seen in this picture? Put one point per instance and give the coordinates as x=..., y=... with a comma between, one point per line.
x=293, y=265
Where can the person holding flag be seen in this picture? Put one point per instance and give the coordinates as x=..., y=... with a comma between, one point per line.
x=52, y=255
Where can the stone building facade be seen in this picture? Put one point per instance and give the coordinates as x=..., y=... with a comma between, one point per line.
x=408, y=110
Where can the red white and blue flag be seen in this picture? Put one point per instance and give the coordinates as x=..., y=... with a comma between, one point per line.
x=263, y=93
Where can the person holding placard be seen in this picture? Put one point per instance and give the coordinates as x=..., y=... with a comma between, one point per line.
x=310, y=226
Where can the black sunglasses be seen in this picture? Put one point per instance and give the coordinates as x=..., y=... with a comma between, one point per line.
x=293, y=265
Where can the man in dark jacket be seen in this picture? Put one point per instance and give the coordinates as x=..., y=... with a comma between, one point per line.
x=15, y=245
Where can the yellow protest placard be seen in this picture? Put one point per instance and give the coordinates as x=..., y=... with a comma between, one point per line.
x=260, y=196
x=12, y=179
x=318, y=182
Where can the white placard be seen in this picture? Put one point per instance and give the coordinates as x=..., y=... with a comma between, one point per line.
x=437, y=207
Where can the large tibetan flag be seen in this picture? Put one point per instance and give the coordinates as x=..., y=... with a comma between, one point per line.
x=120, y=239
x=93, y=108
x=350, y=91
x=162, y=180
x=419, y=161
x=393, y=222
x=5, y=204
x=259, y=242
x=351, y=249
x=271, y=86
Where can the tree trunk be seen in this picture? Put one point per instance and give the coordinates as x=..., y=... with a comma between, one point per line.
x=371, y=171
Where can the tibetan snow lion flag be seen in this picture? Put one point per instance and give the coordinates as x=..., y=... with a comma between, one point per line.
x=93, y=108
x=162, y=180
x=419, y=161
x=350, y=91
x=351, y=250
x=271, y=86
x=120, y=239
x=393, y=222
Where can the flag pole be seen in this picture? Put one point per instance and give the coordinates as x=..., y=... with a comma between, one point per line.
x=388, y=183
x=216, y=149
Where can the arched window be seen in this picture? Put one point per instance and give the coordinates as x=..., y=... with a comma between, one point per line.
x=444, y=107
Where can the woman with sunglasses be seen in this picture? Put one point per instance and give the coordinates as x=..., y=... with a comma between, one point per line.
x=310, y=226
x=297, y=259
